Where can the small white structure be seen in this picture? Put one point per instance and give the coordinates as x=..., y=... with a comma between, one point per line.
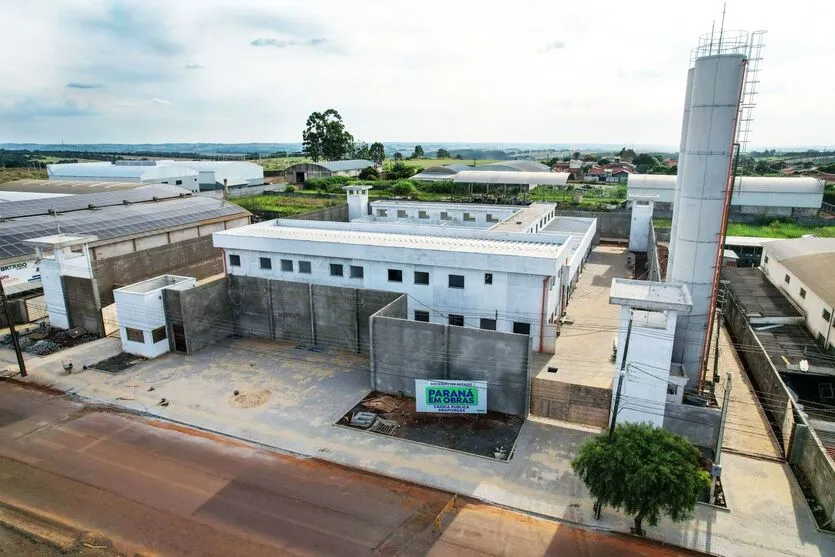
x=142, y=172
x=61, y=255
x=804, y=269
x=357, y=201
x=640, y=224
x=213, y=174
x=141, y=311
x=646, y=331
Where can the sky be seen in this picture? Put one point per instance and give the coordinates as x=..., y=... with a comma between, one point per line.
x=153, y=71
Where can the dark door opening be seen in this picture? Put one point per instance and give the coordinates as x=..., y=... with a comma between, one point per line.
x=179, y=337
x=300, y=177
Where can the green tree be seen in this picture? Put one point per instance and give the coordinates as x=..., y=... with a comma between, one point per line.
x=604, y=161
x=325, y=137
x=644, y=471
x=443, y=153
x=458, y=157
x=576, y=155
x=399, y=170
x=418, y=154
x=645, y=159
x=398, y=156
x=377, y=152
x=762, y=167
x=361, y=151
x=590, y=157
x=402, y=188
x=627, y=154
x=369, y=173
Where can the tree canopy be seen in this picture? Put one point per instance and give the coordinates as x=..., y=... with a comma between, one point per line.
x=418, y=154
x=398, y=156
x=400, y=170
x=369, y=173
x=443, y=153
x=644, y=471
x=377, y=152
x=325, y=137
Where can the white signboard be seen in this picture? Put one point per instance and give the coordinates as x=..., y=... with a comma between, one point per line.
x=22, y=271
x=451, y=397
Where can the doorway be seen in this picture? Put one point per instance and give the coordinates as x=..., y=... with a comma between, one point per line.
x=179, y=334
x=300, y=177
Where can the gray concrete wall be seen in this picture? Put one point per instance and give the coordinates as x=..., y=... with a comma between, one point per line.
x=809, y=455
x=612, y=225
x=18, y=311
x=250, y=298
x=196, y=257
x=403, y=350
x=382, y=303
x=337, y=213
x=653, y=265
x=291, y=311
x=698, y=425
x=335, y=316
x=81, y=296
x=205, y=312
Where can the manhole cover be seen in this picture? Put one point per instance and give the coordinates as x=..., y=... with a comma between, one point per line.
x=251, y=399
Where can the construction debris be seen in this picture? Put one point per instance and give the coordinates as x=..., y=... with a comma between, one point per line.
x=386, y=427
x=363, y=419
x=382, y=403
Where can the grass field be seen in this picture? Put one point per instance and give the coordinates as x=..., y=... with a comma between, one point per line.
x=281, y=163
x=776, y=229
x=279, y=206
x=9, y=174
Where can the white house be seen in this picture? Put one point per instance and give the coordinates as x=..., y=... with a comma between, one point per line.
x=505, y=281
x=804, y=269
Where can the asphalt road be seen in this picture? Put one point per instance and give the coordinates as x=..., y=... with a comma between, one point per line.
x=157, y=489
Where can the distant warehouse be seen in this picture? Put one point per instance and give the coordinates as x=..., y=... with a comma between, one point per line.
x=300, y=173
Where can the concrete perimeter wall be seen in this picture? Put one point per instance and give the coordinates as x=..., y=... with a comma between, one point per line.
x=81, y=296
x=797, y=439
x=403, y=350
x=569, y=402
x=612, y=225
x=195, y=257
x=337, y=213
x=205, y=312
x=653, y=265
x=18, y=311
x=698, y=425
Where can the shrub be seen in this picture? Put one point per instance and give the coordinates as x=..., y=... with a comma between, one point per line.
x=402, y=188
x=400, y=170
x=369, y=173
x=290, y=189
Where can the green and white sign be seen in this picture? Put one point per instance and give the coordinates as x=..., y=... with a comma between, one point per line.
x=451, y=397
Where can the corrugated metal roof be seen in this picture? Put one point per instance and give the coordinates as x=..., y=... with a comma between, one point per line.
x=65, y=186
x=514, y=166
x=743, y=184
x=811, y=260
x=340, y=166
x=96, y=170
x=511, y=178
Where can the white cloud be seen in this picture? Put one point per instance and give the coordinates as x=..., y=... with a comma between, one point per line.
x=157, y=100
x=406, y=74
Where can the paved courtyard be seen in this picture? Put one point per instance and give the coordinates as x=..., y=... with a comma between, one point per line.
x=302, y=393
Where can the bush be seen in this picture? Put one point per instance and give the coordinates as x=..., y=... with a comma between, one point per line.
x=290, y=189
x=369, y=173
x=400, y=170
x=331, y=184
x=402, y=188
x=442, y=186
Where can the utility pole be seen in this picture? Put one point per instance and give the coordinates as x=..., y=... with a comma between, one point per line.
x=18, y=352
x=598, y=506
x=717, y=468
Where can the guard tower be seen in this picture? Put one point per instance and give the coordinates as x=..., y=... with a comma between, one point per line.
x=357, y=201
x=641, y=222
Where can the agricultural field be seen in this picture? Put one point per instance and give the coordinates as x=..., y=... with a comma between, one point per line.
x=280, y=163
x=285, y=205
x=775, y=229
x=9, y=174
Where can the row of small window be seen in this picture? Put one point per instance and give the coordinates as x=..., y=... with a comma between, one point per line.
x=136, y=335
x=402, y=214
x=519, y=327
x=356, y=271
x=826, y=315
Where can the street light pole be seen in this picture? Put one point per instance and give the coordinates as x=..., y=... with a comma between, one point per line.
x=15, y=340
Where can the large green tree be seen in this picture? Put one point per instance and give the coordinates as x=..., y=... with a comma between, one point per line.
x=443, y=153
x=644, y=471
x=377, y=152
x=361, y=151
x=325, y=137
x=418, y=154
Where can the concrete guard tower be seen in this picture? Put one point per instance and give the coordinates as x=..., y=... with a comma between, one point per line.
x=357, y=201
x=641, y=222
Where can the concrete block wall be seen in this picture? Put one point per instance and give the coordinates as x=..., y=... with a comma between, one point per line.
x=205, y=313
x=698, y=425
x=403, y=350
x=335, y=316
x=292, y=312
x=653, y=264
x=81, y=296
x=570, y=402
x=18, y=311
x=250, y=298
x=612, y=225
x=338, y=213
x=195, y=257
x=817, y=467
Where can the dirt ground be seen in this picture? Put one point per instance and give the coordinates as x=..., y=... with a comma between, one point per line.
x=17, y=545
x=480, y=434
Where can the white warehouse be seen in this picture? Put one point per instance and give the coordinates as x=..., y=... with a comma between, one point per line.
x=140, y=172
x=509, y=281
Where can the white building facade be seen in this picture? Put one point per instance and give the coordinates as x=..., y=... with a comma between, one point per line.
x=140, y=172
x=504, y=281
x=804, y=269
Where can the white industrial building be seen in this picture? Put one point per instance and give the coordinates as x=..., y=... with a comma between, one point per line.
x=495, y=267
x=140, y=172
x=192, y=175
x=752, y=195
x=804, y=269
x=504, y=178
x=449, y=171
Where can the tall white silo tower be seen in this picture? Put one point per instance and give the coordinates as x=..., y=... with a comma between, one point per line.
x=682, y=149
x=704, y=179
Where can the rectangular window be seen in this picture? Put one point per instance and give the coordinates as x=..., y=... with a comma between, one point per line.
x=266, y=263
x=401, y=213
x=521, y=328
x=803, y=293
x=488, y=278
x=134, y=335
x=158, y=334
x=672, y=389
x=336, y=270
x=827, y=315
x=445, y=216
x=491, y=218
x=468, y=217
x=456, y=281
x=395, y=275
x=788, y=279
x=421, y=277
x=552, y=283
x=423, y=215
x=382, y=212
x=356, y=271
x=766, y=259
x=422, y=316
x=234, y=260
x=457, y=320
x=304, y=267
x=287, y=265
x=488, y=324
x=178, y=182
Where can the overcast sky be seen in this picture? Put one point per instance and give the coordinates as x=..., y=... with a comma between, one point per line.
x=478, y=71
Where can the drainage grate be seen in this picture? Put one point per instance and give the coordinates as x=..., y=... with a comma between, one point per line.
x=386, y=427
x=318, y=349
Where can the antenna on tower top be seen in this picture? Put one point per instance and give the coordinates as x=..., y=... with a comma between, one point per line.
x=722, y=27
